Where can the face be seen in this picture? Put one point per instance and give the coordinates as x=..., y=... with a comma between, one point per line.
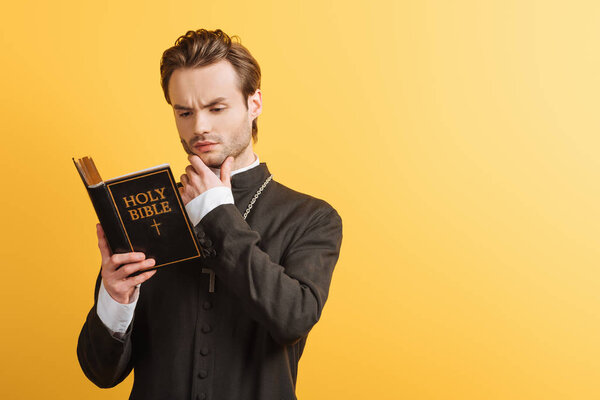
x=213, y=119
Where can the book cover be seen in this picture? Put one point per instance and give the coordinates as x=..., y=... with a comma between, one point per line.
x=142, y=211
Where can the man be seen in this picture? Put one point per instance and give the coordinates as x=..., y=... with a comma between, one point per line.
x=234, y=324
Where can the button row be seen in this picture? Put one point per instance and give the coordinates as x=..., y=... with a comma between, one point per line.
x=204, y=351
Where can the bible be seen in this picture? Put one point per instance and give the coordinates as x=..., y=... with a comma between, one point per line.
x=142, y=211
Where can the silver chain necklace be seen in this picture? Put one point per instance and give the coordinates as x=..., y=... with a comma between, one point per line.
x=258, y=192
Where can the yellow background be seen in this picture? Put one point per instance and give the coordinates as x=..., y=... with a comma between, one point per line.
x=457, y=139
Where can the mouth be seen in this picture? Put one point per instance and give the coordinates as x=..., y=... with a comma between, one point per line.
x=205, y=146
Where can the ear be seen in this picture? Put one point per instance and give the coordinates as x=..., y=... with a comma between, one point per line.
x=255, y=104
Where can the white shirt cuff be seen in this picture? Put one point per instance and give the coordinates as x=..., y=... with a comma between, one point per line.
x=114, y=315
x=207, y=201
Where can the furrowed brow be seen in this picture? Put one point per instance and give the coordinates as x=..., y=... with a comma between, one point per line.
x=212, y=103
x=178, y=107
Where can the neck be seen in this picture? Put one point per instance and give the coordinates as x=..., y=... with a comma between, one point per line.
x=245, y=158
x=236, y=167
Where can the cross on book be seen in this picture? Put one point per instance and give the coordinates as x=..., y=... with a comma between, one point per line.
x=155, y=225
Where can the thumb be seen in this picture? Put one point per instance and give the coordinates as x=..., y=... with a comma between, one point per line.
x=226, y=171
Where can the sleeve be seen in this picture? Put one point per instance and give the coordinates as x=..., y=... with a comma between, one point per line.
x=115, y=316
x=207, y=201
x=287, y=299
x=104, y=359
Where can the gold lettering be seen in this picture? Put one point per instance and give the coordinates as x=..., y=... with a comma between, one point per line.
x=156, y=212
x=134, y=214
x=148, y=211
x=137, y=198
x=161, y=192
x=165, y=207
x=127, y=200
x=144, y=197
x=150, y=195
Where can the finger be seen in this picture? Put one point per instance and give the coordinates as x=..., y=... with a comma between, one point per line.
x=184, y=183
x=102, y=243
x=141, y=278
x=185, y=198
x=126, y=258
x=226, y=171
x=184, y=180
x=129, y=269
x=198, y=165
x=194, y=180
x=191, y=174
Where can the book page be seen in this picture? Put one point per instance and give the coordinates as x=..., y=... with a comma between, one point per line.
x=157, y=167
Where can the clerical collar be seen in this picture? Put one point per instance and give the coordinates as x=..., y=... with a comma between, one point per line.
x=256, y=162
x=250, y=179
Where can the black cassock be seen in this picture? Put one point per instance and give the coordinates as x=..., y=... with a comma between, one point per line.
x=243, y=341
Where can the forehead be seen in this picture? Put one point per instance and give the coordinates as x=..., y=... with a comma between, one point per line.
x=190, y=85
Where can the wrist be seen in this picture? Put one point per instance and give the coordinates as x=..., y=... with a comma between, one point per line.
x=127, y=298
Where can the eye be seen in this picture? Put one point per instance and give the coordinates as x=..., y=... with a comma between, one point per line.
x=185, y=114
x=217, y=109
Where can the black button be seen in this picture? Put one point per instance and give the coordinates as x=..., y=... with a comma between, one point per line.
x=202, y=374
x=206, y=328
x=207, y=305
x=204, y=351
x=199, y=231
x=201, y=396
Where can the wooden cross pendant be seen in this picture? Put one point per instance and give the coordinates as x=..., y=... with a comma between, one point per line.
x=211, y=279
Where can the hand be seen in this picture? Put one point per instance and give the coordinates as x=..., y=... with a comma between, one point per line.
x=116, y=281
x=199, y=178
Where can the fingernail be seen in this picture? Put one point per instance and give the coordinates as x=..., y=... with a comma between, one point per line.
x=150, y=261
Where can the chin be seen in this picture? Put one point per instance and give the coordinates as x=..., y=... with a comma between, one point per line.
x=212, y=160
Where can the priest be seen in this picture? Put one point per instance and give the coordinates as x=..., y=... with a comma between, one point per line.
x=234, y=324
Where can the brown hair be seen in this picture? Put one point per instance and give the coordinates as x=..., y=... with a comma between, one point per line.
x=202, y=47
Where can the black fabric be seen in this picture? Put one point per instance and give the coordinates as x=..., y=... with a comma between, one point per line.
x=243, y=341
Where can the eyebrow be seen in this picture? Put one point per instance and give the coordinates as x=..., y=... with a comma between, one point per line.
x=212, y=103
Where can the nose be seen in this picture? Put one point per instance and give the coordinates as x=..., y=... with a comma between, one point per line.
x=201, y=124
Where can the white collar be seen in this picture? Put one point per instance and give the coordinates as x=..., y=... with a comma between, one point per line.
x=217, y=171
